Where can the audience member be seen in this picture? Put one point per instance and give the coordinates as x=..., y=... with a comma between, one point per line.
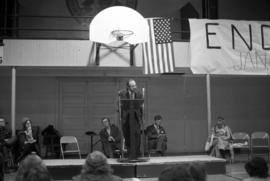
x=27, y=140
x=96, y=168
x=32, y=168
x=4, y=135
x=190, y=172
x=156, y=135
x=2, y=175
x=257, y=170
x=6, y=145
x=110, y=137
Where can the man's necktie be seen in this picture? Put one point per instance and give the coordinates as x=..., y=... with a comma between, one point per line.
x=132, y=95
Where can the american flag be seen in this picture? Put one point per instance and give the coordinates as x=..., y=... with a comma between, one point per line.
x=158, y=52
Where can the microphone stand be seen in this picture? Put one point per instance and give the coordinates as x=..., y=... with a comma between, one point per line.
x=120, y=125
x=142, y=126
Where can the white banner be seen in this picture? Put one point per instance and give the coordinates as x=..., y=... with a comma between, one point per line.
x=229, y=47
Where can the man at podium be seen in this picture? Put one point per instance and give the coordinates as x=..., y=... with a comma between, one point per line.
x=131, y=101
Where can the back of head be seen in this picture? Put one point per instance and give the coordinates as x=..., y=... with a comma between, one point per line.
x=32, y=168
x=96, y=163
x=257, y=167
x=191, y=172
x=37, y=174
x=31, y=161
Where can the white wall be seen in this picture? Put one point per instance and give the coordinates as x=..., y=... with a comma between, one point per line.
x=77, y=53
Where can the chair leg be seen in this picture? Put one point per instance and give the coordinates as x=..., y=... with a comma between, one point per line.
x=268, y=154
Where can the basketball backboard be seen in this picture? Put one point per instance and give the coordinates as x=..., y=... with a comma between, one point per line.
x=119, y=23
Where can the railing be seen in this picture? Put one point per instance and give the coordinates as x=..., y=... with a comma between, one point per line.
x=65, y=27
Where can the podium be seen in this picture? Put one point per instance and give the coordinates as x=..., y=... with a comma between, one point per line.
x=131, y=122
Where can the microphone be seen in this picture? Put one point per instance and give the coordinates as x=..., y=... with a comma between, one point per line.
x=119, y=91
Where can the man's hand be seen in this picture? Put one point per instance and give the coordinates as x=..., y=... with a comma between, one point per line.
x=111, y=139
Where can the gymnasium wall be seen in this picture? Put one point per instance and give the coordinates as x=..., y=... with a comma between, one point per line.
x=76, y=104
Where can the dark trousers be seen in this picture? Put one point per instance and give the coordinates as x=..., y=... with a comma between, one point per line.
x=110, y=147
x=26, y=150
x=132, y=130
x=1, y=167
x=159, y=144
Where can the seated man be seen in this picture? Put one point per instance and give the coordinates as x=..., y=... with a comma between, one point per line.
x=110, y=137
x=156, y=135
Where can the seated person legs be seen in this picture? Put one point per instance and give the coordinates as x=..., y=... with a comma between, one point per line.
x=1, y=167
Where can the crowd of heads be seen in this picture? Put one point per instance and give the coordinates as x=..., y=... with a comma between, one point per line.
x=190, y=172
x=32, y=168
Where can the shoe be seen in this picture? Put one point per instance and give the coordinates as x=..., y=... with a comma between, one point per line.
x=160, y=153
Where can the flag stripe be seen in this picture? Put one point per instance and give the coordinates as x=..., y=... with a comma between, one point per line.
x=149, y=45
x=171, y=58
x=164, y=59
x=153, y=47
x=145, y=63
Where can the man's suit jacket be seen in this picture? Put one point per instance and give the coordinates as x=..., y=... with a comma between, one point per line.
x=124, y=112
x=115, y=133
x=152, y=133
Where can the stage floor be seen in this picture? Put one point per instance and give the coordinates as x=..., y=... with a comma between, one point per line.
x=65, y=169
x=234, y=172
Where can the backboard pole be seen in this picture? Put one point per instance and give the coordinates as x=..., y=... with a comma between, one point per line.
x=97, y=53
x=131, y=53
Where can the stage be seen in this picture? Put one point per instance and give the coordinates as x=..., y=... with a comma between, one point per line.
x=66, y=169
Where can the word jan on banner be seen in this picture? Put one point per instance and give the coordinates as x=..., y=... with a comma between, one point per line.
x=230, y=47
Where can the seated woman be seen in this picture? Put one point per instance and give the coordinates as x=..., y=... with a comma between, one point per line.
x=220, y=140
x=27, y=140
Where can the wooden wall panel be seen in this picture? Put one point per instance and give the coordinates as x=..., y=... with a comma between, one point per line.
x=75, y=105
x=5, y=98
x=181, y=100
x=73, y=109
x=37, y=99
x=244, y=102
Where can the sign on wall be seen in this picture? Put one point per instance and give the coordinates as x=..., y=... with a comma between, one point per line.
x=229, y=47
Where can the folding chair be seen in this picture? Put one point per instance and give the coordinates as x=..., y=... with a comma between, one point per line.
x=260, y=141
x=241, y=141
x=71, y=145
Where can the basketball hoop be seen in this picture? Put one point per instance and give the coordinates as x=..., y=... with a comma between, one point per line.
x=120, y=35
x=119, y=23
